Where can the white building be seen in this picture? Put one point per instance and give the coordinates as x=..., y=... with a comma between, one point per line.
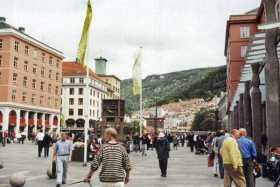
x=74, y=101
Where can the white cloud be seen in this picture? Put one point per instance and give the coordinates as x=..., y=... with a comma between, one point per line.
x=175, y=34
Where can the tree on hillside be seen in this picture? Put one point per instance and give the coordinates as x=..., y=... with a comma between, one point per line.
x=206, y=120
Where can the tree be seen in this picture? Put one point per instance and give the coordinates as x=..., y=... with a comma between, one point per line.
x=206, y=120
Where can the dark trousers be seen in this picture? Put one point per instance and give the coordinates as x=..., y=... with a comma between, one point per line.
x=221, y=166
x=46, y=151
x=191, y=146
x=40, y=148
x=163, y=166
x=248, y=172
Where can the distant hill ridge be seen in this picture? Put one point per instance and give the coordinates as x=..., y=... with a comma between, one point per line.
x=175, y=86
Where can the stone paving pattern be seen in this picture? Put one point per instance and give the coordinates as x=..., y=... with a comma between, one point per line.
x=185, y=169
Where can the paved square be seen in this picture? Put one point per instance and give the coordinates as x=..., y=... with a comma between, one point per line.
x=185, y=169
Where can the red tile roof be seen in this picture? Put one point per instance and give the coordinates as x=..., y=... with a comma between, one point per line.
x=75, y=69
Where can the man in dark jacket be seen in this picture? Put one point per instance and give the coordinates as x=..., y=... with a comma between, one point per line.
x=46, y=144
x=162, y=148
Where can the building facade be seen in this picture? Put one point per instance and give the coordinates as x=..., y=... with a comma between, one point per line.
x=113, y=85
x=30, y=82
x=239, y=29
x=74, y=96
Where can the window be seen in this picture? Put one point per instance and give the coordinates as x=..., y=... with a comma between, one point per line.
x=71, y=91
x=43, y=71
x=34, y=70
x=72, y=80
x=35, y=54
x=244, y=32
x=81, y=80
x=15, y=62
x=49, y=88
x=1, y=43
x=57, y=76
x=50, y=74
x=24, y=97
x=0, y=60
x=14, y=93
x=25, y=81
x=43, y=57
x=56, y=90
x=33, y=98
x=41, y=99
x=80, y=112
x=56, y=103
x=243, y=51
x=80, y=101
x=81, y=91
x=71, y=101
x=14, y=76
x=42, y=86
x=16, y=45
x=71, y=112
x=33, y=83
x=26, y=50
x=25, y=66
x=91, y=91
x=50, y=60
x=49, y=101
x=57, y=63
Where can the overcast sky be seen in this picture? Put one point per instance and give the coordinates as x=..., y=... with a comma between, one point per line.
x=175, y=34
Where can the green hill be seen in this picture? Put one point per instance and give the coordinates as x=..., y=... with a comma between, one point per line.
x=172, y=87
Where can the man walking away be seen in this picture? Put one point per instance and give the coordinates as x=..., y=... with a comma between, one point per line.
x=219, y=142
x=232, y=160
x=62, y=153
x=46, y=143
x=163, y=149
x=39, y=138
x=114, y=160
x=248, y=152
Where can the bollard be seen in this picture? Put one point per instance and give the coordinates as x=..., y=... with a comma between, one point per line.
x=17, y=180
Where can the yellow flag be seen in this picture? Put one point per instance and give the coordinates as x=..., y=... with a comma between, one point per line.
x=84, y=38
x=137, y=74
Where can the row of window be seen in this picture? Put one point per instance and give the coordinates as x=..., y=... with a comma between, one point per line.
x=34, y=84
x=80, y=112
x=80, y=80
x=33, y=98
x=27, y=52
x=92, y=92
x=81, y=102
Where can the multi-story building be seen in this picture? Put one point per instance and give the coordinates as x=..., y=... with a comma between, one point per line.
x=30, y=81
x=113, y=85
x=238, y=32
x=74, y=96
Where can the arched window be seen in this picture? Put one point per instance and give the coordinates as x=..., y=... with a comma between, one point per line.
x=277, y=10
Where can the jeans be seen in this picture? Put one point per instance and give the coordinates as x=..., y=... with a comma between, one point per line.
x=248, y=169
x=113, y=184
x=163, y=166
x=62, y=166
x=221, y=166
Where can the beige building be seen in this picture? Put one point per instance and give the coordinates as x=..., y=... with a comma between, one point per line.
x=113, y=85
x=30, y=82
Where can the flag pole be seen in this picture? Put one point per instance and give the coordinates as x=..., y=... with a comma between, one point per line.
x=141, y=100
x=87, y=95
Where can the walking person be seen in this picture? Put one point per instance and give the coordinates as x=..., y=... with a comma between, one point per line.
x=233, y=167
x=219, y=142
x=163, y=149
x=248, y=152
x=114, y=161
x=39, y=139
x=62, y=154
x=175, y=142
x=46, y=144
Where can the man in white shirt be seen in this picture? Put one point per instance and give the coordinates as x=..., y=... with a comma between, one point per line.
x=39, y=138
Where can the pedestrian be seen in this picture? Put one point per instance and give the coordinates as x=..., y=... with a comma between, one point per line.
x=62, y=154
x=191, y=142
x=114, y=161
x=175, y=142
x=163, y=149
x=46, y=144
x=136, y=143
x=195, y=137
x=249, y=154
x=143, y=145
x=219, y=142
x=39, y=139
x=233, y=167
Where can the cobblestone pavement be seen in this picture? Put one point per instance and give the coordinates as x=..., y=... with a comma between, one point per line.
x=185, y=169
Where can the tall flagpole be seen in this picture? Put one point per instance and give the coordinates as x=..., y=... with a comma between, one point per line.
x=141, y=100
x=86, y=98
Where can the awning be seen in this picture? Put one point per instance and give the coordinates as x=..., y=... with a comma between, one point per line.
x=256, y=53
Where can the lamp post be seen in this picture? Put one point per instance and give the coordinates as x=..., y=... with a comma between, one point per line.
x=156, y=116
